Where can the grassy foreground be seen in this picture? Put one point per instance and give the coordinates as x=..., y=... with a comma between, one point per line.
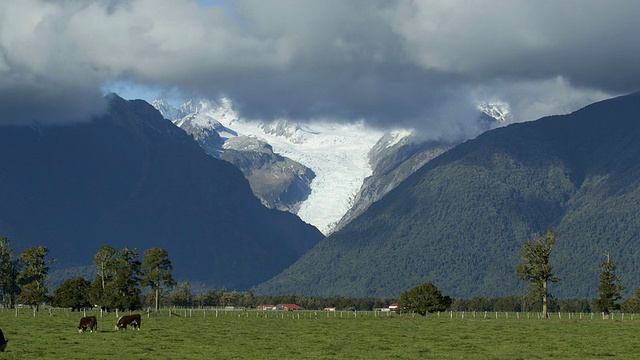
x=291, y=335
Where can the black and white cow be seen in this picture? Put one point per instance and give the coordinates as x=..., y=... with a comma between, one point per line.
x=88, y=322
x=134, y=320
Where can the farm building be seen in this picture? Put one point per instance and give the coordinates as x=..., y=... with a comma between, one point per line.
x=288, y=307
x=266, y=307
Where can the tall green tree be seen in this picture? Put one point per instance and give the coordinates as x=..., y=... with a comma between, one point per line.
x=423, y=299
x=608, y=290
x=124, y=288
x=73, y=293
x=105, y=262
x=535, y=266
x=33, y=275
x=118, y=278
x=9, y=288
x=156, y=271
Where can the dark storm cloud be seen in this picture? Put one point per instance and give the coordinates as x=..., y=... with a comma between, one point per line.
x=393, y=63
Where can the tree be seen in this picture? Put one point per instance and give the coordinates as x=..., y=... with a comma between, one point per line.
x=181, y=296
x=248, y=300
x=73, y=293
x=535, y=266
x=210, y=298
x=423, y=299
x=116, y=284
x=233, y=299
x=105, y=264
x=608, y=290
x=632, y=304
x=9, y=288
x=156, y=271
x=32, y=278
x=123, y=290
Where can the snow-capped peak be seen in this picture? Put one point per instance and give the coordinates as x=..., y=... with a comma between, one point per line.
x=194, y=106
x=499, y=110
x=167, y=110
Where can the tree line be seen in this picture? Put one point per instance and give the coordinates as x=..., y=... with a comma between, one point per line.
x=118, y=283
x=535, y=269
x=121, y=278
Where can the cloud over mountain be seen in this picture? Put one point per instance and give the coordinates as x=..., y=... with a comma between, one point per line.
x=410, y=63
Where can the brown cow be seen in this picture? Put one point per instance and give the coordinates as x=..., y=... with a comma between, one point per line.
x=88, y=322
x=134, y=320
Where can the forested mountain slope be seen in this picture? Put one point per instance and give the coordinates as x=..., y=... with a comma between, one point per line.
x=461, y=219
x=131, y=178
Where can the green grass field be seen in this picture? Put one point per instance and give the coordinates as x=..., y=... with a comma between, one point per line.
x=302, y=335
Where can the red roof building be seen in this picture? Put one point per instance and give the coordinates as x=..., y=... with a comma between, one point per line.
x=288, y=307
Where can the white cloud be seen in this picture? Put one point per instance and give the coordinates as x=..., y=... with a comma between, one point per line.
x=390, y=62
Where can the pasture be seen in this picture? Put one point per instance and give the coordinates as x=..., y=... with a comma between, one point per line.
x=319, y=335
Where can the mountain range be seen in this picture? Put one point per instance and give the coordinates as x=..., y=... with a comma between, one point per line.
x=455, y=214
x=130, y=178
x=460, y=220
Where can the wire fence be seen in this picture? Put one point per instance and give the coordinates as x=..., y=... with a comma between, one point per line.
x=241, y=312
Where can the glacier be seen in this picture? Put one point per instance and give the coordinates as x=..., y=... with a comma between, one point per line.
x=337, y=152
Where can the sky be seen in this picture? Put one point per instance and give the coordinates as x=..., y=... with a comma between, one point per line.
x=391, y=63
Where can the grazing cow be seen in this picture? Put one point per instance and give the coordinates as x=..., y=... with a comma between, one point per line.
x=88, y=322
x=3, y=341
x=124, y=321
